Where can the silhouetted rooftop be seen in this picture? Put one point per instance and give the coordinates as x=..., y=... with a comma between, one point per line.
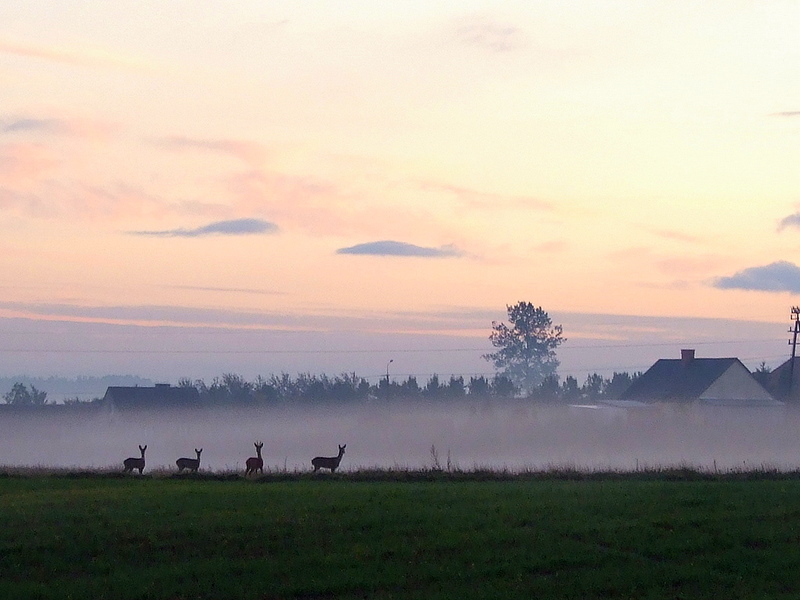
x=678, y=379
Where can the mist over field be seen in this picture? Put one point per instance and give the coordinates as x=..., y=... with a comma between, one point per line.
x=516, y=436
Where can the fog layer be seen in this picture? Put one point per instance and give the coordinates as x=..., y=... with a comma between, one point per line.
x=514, y=436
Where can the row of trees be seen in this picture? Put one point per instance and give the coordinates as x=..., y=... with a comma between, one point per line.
x=595, y=387
x=348, y=387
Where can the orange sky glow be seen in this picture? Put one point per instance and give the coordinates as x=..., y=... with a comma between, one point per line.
x=357, y=182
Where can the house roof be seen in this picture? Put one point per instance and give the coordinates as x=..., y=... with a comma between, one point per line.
x=784, y=382
x=678, y=379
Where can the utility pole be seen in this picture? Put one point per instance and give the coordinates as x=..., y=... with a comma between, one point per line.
x=795, y=316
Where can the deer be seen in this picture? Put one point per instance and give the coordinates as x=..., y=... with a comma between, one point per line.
x=255, y=463
x=189, y=463
x=328, y=462
x=135, y=463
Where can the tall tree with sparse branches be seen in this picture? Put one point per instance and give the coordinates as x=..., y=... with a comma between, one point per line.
x=526, y=347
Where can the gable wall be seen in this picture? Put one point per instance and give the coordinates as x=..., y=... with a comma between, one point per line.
x=735, y=384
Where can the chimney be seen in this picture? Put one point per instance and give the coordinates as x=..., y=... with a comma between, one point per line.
x=687, y=356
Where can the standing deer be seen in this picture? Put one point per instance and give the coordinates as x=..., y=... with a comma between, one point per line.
x=328, y=462
x=255, y=463
x=189, y=463
x=135, y=463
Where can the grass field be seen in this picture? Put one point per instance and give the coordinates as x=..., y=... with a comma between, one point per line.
x=102, y=536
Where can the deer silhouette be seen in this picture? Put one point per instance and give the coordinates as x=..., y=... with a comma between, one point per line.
x=255, y=463
x=189, y=463
x=135, y=463
x=328, y=462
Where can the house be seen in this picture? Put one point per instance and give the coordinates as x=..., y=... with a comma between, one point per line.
x=161, y=396
x=719, y=381
x=784, y=381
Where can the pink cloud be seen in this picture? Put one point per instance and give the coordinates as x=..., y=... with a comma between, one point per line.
x=63, y=179
x=552, y=247
x=89, y=129
x=322, y=207
x=84, y=58
x=677, y=235
x=249, y=152
x=49, y=181
x=52, y=198
x=60, y=176
x=21, y=164
x=684, y=265
x=674, y=265
x=486, y=200
x=635, y=253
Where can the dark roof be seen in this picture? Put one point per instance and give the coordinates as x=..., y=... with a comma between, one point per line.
x=676, y=379
x=784, y=382
x=160, y=396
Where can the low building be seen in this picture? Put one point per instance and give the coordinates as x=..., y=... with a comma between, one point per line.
x=784, y=381
x=161, y=396
x=720, y=381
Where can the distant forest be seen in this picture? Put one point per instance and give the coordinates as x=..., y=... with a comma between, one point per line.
x=307, y=388
x=349, y=387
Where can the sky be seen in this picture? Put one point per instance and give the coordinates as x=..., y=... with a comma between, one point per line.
x=194, y=188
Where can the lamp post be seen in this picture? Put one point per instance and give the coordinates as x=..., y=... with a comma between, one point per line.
x=391, y=360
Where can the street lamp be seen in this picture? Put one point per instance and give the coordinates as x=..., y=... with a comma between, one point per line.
x=391, y=360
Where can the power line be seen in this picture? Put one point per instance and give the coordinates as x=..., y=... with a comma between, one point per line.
x=373, y=350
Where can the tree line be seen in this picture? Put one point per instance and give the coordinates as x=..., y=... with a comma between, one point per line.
x=349, y=387
x=307, y=388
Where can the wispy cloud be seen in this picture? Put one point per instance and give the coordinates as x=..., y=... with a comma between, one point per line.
x=786, y=113
x=393, y=248
x=232, y=227
x=487, y=200
x=21, y=165
x=26, y=124
x=218, y=318
x=322, y=206
x=676, y=235
x=780, y=276
x=81, y=128
x=552, y=247
x=685, y=265
x=82, y=58
x=200, y=288
x=790, y=221
x=488, y=34
x=247, y=151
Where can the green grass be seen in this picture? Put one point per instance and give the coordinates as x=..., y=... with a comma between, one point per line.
x=344, y=537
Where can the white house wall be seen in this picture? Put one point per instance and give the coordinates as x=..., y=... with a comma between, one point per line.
x=736, y=384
